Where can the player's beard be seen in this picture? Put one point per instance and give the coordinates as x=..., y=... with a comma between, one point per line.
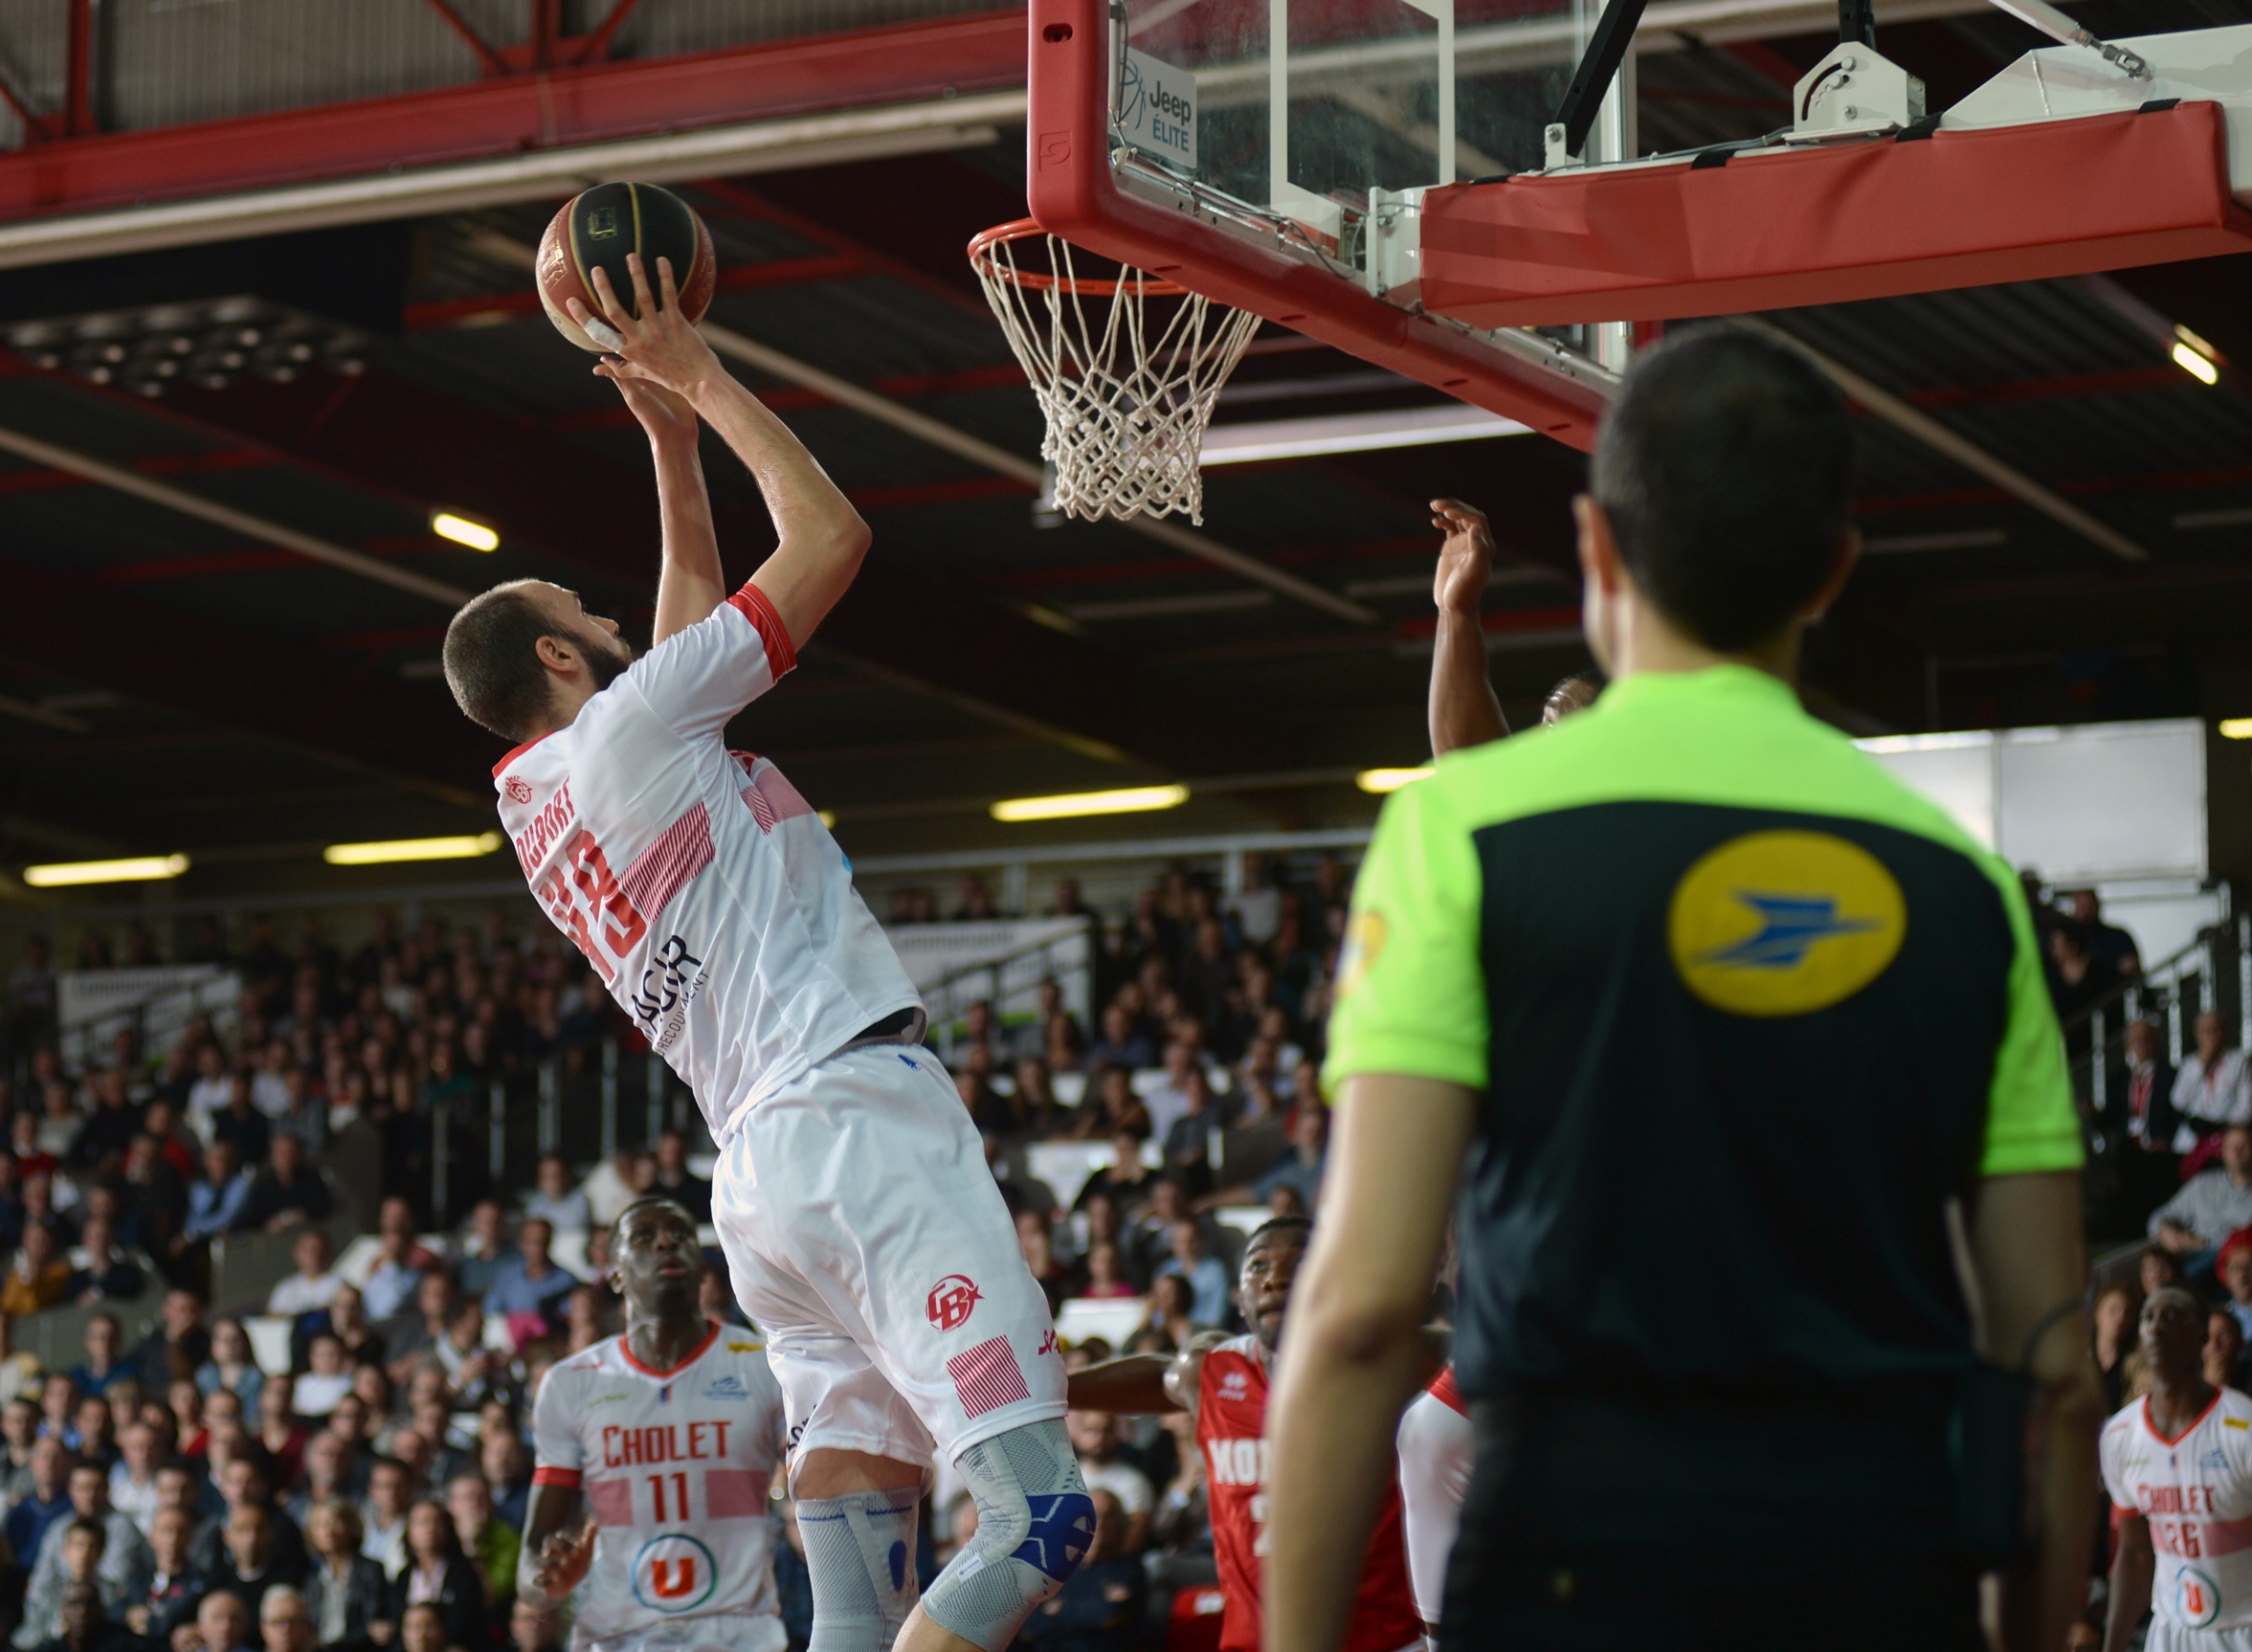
x=607, y=665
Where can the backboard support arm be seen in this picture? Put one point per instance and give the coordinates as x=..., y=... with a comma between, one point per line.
x=1857, y=22
x=1607, y=49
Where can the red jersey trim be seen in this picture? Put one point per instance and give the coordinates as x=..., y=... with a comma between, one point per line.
x=1443, y=1390
x=515, y=754
x=751, y=603
x=567, y=1478
x=2187, y=1428
x=711, y=1335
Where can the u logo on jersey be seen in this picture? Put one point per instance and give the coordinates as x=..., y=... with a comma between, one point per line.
x=1784, y=923
x=2196, y=1598
x=674, y=1573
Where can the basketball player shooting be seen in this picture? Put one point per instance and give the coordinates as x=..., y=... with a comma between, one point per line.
x=862, y=1227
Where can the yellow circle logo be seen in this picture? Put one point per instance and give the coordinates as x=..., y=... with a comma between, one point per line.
x=1784, y=923
x=1364, y=945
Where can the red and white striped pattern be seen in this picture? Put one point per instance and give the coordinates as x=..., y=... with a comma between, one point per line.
x=669, y=864
x=987, y=1376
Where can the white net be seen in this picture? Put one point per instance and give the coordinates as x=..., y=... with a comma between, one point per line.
x=1126, y=391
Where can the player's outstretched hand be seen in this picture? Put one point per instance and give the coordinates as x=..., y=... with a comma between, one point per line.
x=1465, y=561
x=563, y=1561
x=657, y=342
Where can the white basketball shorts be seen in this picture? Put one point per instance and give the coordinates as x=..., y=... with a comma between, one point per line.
x=867, y=1239
x=721, y=1632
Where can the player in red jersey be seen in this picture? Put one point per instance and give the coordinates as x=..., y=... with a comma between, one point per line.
x=1222, y=1382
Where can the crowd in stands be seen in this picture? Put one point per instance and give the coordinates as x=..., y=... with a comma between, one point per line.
x=346, y=1461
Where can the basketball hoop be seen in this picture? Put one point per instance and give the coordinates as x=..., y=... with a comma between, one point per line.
x=1127, y=393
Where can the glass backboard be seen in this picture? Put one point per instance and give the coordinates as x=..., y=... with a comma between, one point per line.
x=1271, y=153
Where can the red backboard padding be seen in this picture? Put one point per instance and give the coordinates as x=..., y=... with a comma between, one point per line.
x=1834, y=222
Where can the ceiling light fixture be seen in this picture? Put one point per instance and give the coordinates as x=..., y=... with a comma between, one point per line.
x=138, y=869
x=411, y=849
x=462, y=531
x=1129, y=800
x=2196, y=365
x=2236, y=729
x=1383, y=780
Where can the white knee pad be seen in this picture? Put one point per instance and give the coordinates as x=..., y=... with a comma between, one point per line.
x=1035, y=1524
x=860, y=1559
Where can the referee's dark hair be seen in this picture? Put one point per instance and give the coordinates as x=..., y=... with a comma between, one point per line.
x=1725, y=468
x=491, y=665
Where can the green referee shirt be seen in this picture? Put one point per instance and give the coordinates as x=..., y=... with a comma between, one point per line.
x=1742, y=1013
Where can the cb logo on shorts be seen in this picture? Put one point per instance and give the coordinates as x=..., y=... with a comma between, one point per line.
x=674, y=1574
x=950, y=1301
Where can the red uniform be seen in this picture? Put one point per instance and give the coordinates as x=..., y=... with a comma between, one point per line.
x=1231, y=1430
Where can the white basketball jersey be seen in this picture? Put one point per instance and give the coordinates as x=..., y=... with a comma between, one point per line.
x=676, y=1466
x=702, y=887
x=2196, y=1490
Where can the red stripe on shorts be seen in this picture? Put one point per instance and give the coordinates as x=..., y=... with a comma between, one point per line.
x=987, y=1377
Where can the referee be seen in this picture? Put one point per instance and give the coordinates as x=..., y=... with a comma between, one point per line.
x=1739, y=1055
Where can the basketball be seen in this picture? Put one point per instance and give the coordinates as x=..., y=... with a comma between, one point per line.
x=597, y=228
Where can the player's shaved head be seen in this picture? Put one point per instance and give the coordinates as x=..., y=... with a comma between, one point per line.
x=492, y=656
x=2174, y=1335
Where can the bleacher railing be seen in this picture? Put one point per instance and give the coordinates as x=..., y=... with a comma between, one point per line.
x=2209, y=974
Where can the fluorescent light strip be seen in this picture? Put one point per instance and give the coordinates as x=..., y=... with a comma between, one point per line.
x=1352, y=432
x=1129, y=800
x=140, y=869
x=1382, y=780
x=2196, y=366
x=2236, y=729
x=462, y=531
x=410, y=849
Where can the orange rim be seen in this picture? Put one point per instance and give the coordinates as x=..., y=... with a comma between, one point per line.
x=981, y=251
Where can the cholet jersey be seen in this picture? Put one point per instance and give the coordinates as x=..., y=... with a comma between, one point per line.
x=1231, y=1431
x=701, y=887
x=2196, y=1490
x=675, y=1465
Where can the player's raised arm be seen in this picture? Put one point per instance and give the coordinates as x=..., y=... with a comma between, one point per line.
x=820, y=537
x=690, y=582
x=1464, y=710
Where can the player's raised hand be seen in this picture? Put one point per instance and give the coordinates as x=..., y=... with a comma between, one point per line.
x=656, y=340
x=563, y=1561
x=1465, y=561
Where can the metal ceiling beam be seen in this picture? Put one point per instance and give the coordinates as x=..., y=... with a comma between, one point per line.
x=1924, y=428
x=79, y=628
x=929, y=635
x=242, y=521
x=514, y=138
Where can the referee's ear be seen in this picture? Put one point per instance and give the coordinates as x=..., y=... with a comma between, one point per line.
x=1604, y=582
x=1841, y=571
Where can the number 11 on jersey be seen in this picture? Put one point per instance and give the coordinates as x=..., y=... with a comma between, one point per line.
x=680, y=1494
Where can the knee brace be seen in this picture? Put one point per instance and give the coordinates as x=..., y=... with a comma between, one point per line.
x=860, y=1559
x=1035, y=1524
